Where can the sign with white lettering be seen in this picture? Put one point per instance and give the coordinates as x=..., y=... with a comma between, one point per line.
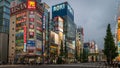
x=18, y=8
x=59, y=7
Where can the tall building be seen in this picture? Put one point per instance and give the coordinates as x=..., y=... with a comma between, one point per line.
x=65, y=11
x=56, y=37
x=27, y=32
x=4, y=29
x=79, y=41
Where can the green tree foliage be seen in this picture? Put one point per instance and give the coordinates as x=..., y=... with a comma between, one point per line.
x=110, y=50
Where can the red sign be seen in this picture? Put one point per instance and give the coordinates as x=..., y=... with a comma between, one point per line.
x=31, y=4
x=32, y=26
x=31, y=19
x=25, y=34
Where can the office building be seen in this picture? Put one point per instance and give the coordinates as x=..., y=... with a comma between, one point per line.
x=65, y=11
x=79, y=42
x=27, y=32
x=4, y=29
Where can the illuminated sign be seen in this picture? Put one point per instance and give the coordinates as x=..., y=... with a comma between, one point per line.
x=25, y=38
x=118, y=34
x=31, y=19
x=118, y=25
x=59, y=7
x=31, y=4
x=70, y=9
x=18, y=8
x=25, y=34
x=31, y=26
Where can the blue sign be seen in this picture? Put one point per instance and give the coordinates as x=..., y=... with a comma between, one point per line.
x=62, y=9
x=119, y=43
x=31, y=43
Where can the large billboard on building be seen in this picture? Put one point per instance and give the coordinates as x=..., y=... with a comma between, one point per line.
x=54, y=38
x=62, y=9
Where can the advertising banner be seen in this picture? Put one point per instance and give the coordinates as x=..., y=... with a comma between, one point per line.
x=31, y=4
x=25, y=38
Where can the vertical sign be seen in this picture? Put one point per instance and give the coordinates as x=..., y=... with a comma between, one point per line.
x=25, y=38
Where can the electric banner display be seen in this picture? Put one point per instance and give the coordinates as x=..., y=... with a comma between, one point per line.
x=25, y=38
x=31, y=4
x=62, y=9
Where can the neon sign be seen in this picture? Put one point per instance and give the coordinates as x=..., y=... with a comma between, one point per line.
x=25, y=38
x=31, y=5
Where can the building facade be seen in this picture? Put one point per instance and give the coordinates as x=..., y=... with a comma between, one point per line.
x=28, y=32
x=79, y=42
x=4, y=29
x=65, y=11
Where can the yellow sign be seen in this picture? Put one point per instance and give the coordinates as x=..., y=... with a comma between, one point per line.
x=118, y=34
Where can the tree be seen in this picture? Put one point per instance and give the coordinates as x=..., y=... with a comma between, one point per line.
x=110, y=50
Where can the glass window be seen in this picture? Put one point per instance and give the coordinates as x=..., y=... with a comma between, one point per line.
x=7, y=16
x=7, y=10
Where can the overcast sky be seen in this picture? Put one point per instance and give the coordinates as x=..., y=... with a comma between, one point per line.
x=93, y=16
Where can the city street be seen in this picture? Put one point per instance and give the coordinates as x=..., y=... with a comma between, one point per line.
x=79, y=65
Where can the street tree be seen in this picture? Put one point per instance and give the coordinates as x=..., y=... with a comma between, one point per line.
x=110, y=50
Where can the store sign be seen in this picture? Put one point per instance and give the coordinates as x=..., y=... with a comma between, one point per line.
x=18, y=8
x=25, y=38
x=31, y=4
x=70, y=9
x=25, y=34
x=119, y=43
x=118, y=34
x=44, y=19
x=31, y=19
x=59, y=7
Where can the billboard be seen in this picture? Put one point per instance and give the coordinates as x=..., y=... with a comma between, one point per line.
x=18, y=8
x=31, y=4
x=25, y=38
x=118, y=34
x=31, y=45
x=54, y=38
x=62, y=9
x=59, y=10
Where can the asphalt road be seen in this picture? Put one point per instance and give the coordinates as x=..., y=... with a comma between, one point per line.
x=80, y=65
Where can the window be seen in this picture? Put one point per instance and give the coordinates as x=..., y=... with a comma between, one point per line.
x=12, y=47
x=12, y=41
x=12, y=34
x=12, y=28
